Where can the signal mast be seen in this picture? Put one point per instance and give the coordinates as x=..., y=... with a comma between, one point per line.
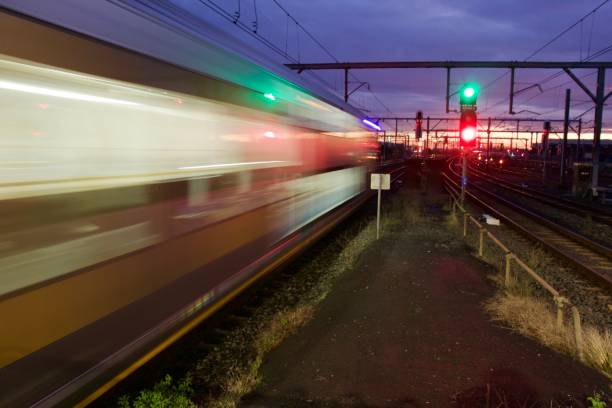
x=468, y=128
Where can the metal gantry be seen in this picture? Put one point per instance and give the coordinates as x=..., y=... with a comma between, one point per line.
x=599, y=97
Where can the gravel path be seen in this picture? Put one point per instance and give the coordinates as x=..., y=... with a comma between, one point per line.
x=406, y=328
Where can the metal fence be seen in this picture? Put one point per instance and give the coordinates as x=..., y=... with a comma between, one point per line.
x=510, y=258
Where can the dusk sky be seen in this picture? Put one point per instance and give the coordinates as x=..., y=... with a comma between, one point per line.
x=368, y=30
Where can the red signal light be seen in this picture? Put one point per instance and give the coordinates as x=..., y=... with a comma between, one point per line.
x=468, y=134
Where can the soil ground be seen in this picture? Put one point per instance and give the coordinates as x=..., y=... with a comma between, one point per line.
x=406, y=328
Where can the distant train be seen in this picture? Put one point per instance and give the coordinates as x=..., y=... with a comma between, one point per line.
x=137, y=196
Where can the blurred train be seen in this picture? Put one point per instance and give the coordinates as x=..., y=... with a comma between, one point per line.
x=138, y=196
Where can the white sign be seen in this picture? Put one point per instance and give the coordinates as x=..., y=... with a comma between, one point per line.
x=380, y=181
x=491, y=220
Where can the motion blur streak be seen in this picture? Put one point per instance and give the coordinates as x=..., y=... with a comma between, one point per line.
x=220, y=165
x=13, y=86
x=129, y=209
x=131, y=217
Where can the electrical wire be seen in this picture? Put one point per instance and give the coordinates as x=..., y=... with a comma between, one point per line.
x=555, y=38
x=591, y=35
x=563, y=32
x=598, y=53
x=283, y=53
x=326, y=50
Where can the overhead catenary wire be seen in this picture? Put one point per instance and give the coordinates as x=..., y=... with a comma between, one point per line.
x=591, y=35
x=563, y=32
x=325, y=49
x=596, y=54
x=555, y=38
x=277, y=50
x=245, y=28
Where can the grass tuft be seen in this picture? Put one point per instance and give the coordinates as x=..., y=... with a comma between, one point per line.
x=282, y=326
x=526, y=307
x=245, y=379
x=598, y=348
x=534, y=318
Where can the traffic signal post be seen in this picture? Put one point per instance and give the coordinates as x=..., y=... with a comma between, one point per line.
x=463, y=175
x=468, y=128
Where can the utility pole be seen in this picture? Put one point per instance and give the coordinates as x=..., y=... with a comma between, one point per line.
x=545, y=137
x=599, y=103
x=346, y=95
x=565, y=130
x=463, y=175
x=427, y=135
x=579, y=146
x=395, y=131
x=384, y=155
x=488, y=140
x=518, y=124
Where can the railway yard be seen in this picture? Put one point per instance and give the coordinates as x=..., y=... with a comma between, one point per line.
x=262, y=204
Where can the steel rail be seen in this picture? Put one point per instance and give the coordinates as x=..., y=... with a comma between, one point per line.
x=599, y=248
x=545, y=232
x=596, y=214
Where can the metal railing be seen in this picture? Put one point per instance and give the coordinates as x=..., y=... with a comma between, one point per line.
x=560, y=301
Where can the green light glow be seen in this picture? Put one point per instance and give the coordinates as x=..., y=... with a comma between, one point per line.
x=270, y=96
x=469, y=92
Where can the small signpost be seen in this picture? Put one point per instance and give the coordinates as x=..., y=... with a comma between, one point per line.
x=379, y=182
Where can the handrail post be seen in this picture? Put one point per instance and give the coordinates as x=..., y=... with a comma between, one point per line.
x=481, y=242
x=578, y=333
x=465, y=223
x=508, y=268
x=559, y=301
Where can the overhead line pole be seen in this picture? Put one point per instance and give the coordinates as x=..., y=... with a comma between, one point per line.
x=427, y=134
x=579, y=147
x=448, y=73
x=346, y=95
x=599, y=103
x=565, y=131
x=488, y=140
x=511, y=107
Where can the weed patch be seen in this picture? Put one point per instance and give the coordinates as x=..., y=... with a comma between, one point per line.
x=164, y=394
x=526, y=307
x=231, y=370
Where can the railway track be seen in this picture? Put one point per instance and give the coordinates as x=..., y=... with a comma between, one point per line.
x=535, y=176
x=584, y=210
x=593, y=259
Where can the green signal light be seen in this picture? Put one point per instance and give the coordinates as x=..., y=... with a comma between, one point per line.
x=270, y=96
x=468, y=94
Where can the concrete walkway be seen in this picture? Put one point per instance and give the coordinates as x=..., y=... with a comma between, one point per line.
x=406, y=328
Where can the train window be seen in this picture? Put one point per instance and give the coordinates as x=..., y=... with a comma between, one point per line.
x=223, y=181
x=198, y=191
x=244, y=181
